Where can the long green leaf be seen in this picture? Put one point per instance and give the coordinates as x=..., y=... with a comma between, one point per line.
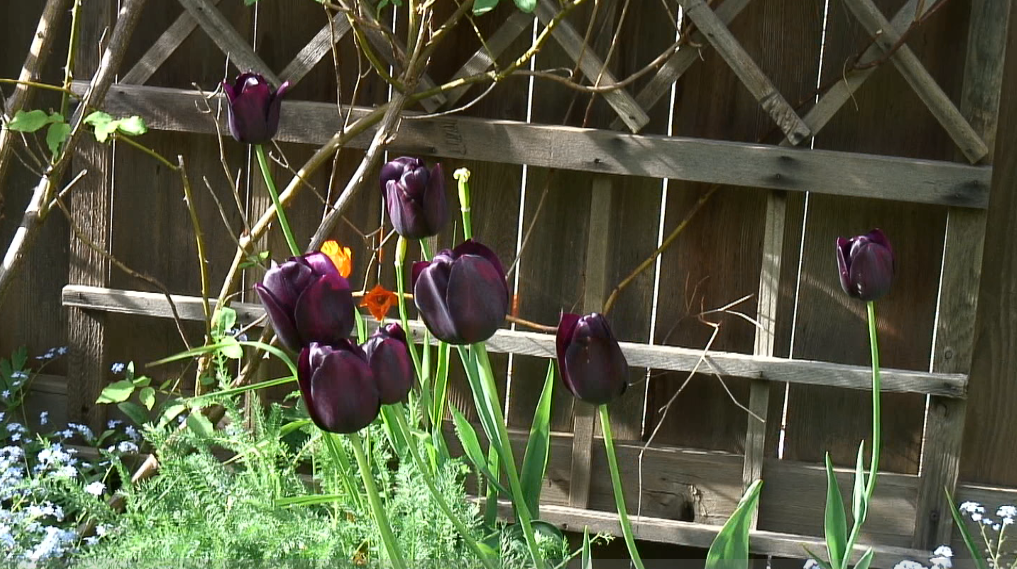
x=481, y=401
x=440, y=384
x=730, y=549
x=836, y=519
x=587, y=555
x=244, y=389
x=538, y=446
x=969, y=542
x=471, y=446
x=865, y=560
x=858, y=505
x=202, y=350
x=309, y=500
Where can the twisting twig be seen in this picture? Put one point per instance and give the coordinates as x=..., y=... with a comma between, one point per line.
x=42, y=43
x=199, y=239
x=37, y=208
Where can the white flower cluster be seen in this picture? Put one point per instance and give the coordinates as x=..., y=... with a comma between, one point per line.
x=1005, y=515
x=942, y=558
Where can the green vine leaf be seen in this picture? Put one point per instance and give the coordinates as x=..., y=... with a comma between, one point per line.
x=56, y=135
x=526, y=5
x=483, y=6
x=28, y=121
x=116, y=392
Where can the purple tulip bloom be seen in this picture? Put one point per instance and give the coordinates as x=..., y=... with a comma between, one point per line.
x=591, y=363
x=866, y=265
x=308, y=301
x=415, y=197
x=253, y=108
x=461, y=294
x=389, y=357
x=338, y=387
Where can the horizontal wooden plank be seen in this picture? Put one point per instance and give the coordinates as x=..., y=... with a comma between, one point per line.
x=542, y=345
x=570, y=148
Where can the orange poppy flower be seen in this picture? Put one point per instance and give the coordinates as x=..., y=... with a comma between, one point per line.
x=341, y=257
x=379, y=301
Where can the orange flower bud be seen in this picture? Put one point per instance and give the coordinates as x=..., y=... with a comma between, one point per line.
x=341, y=257
x=379, y=301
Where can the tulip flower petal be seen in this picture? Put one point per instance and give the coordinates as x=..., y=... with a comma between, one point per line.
x=477, y=298
x=595, y=362
x=843, y=254
x=871, y=271
x=414, y=183
x=321, y=263
x=389, y=358
x=405, y=213
x=566, y=328
x=429, y=290
x=324, y=311
x=471, y=247
x=280, y=317
x=343, y=396
x=435, y=206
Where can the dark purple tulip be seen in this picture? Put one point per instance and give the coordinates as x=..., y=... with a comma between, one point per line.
x=338, y=387
x=591, y=363
x=461, y=294
x=308, y=301
x=253, y=108
x=389, y=358
x=866, y=265
x=415, y=197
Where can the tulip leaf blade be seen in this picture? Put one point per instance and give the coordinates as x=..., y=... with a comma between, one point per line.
x=969, y=542
x=835, y=525
x=483, y=6
x=730, y=549
x=858, y=501
x=116, y=392
x=471, y=446
x=865, y=560
x=538, y=446
x=587, y=553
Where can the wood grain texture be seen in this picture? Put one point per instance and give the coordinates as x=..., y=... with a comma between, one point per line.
x=319, y=46
x=935, y=99
x=162, y=48
x=806, y=372
x=746, y=165
x=990, y=420
x=91, y=204
x=229, y=40
x=962, y=261
x=887, y=118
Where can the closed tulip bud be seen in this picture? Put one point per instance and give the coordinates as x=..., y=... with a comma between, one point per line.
x=866, y=265
x=253, y=108
x=415, y=197
x=389, y=359
x=308, y=301
x=461, y=294
x=338, y=387
x=591, y=363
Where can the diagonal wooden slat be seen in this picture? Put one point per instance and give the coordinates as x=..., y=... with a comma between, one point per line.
x=572, y=42
x=682, y=60
x=315, y=49
x=225, y=36
x=484, y=57
x=161, y=50
x=747, y=71
x=842, y=91
x=886, y=37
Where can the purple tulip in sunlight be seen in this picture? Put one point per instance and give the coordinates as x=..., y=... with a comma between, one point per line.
x=308, y=301
x=415, y=197
x=461, y=294
x=389, y=358
x=338, y=387
x=866, y=265
x=591, y=363
x=253, y=108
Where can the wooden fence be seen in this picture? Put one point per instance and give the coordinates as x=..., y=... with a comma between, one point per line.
x=731, y=126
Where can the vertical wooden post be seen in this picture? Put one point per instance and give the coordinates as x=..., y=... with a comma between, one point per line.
x=766, y=315
x=962, y=261
x=594, y=293
x=91, y=204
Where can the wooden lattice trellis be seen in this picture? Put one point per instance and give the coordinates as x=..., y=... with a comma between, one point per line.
x=777, y=169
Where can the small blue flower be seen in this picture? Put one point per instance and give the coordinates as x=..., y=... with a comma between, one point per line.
x=44, y=417
x=118, y=367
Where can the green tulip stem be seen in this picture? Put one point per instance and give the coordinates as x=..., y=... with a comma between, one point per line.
x=259, y=150
x=400, y=261
x=377, y=509
x=462, y=176
x=342, y=464
x=619, y=496
x=518, y=499
x=877, y=442
x=436, y=495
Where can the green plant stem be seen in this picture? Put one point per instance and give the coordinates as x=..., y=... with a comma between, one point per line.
x=377, y=508
x=877, y=445
x=259, y=150
x=518, y=499
x=72, y=51
x=442, y=504
x=463, y=177
x=400, y=259
x=343, y=463
x=619, y=496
